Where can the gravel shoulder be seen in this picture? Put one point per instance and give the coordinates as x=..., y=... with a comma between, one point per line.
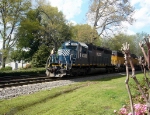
x=11, y=92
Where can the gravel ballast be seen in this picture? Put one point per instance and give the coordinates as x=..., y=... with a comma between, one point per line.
x=6, y=93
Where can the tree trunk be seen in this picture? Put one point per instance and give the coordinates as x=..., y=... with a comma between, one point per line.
x=3, y=61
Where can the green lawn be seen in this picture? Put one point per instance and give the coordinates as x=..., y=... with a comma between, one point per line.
x=100, y=97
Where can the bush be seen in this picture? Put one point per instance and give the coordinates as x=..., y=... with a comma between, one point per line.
x=7, y=68
x=40, y=57
x=31, y=71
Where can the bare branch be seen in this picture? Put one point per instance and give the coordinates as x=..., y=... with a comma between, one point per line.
x=109, y=12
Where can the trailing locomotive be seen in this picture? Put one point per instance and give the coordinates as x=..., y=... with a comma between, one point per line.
x=118, y=60
x=77, y=58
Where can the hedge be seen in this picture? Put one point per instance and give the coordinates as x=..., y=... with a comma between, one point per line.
x=31, y=72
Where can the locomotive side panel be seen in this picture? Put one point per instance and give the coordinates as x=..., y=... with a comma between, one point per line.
x=107, y=57
x=91, y=54
x=82, y=55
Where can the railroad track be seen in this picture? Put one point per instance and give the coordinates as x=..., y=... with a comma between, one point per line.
x=13, y=81
x=15, y=87
x=9, y=81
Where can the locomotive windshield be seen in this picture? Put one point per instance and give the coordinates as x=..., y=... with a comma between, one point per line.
x=71, y=47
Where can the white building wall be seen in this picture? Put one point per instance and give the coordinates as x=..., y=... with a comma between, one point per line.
x=16, y=65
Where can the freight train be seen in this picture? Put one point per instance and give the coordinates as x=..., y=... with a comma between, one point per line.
x=77, y=58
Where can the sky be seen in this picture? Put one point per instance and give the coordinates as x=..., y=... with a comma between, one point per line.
x=75, y=11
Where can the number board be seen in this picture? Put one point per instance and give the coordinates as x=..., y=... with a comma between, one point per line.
x=84, y=55
x=99, y=54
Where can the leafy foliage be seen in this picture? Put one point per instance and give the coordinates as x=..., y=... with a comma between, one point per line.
x=42, y=26
x=33, y=71
x=40, y=57
x=7, y=68
x=11, y=13
x=84, y=33
x=55, y=29
x=115, y=43
x=139, y=38
x=18, y=55
x=28, y=36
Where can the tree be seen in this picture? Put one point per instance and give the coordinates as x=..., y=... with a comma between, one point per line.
x=42, y=26
x=139, y=38
x=116, y=42
x=84, y=33
x=29, y=33
x=55, y=30
x=18, y=55
x=40, y=57
x=11, y=11
x=106, y=15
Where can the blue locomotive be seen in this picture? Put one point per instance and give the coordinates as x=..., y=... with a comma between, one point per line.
x=77, y=58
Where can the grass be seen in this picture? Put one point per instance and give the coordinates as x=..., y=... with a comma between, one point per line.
x=100, y=97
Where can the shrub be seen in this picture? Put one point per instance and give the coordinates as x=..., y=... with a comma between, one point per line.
x=40, y=57
x=7, y=68
x=31, y=71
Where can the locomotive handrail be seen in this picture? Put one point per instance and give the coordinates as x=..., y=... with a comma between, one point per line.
x=47, y=61
x=66, y=62
x=71, y=59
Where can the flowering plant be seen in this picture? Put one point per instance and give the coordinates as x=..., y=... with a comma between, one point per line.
x=140, y=109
